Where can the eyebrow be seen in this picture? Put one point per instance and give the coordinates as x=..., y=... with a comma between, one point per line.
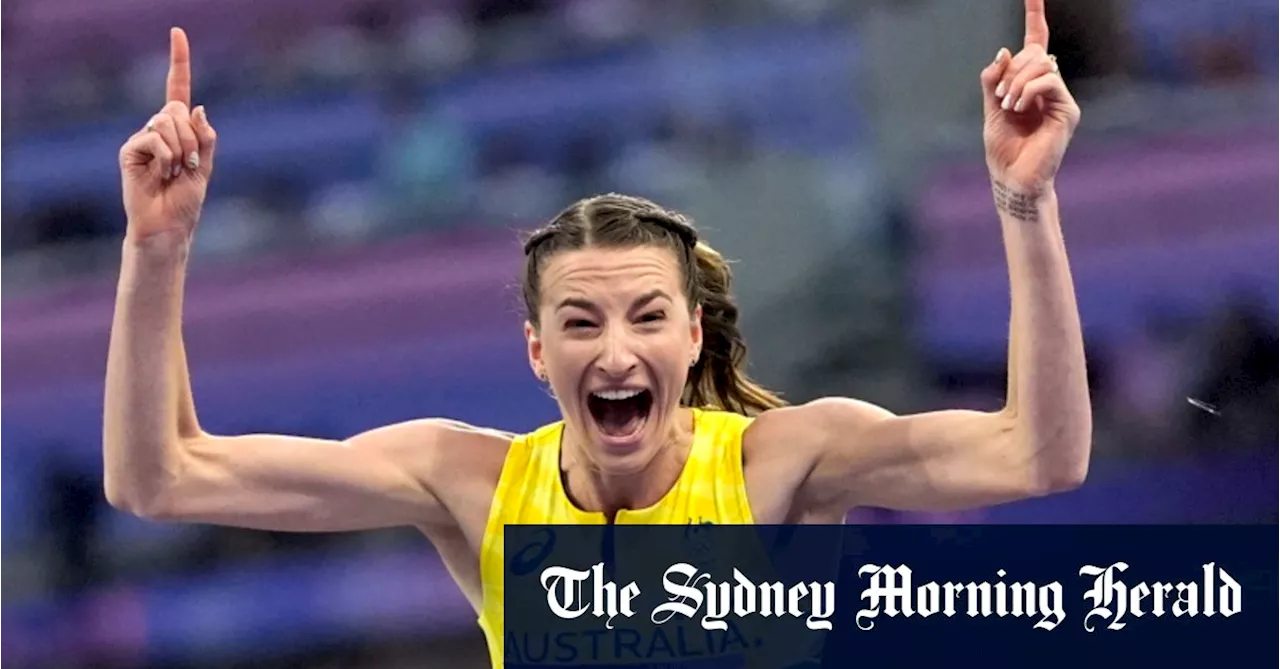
x=578, y=302
x=648, y=297
x=637, y=303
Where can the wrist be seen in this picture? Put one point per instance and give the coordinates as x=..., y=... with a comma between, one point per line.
x=1021, y=201
x=158, y=248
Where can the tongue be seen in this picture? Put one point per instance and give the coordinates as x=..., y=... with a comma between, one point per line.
x=617, y=418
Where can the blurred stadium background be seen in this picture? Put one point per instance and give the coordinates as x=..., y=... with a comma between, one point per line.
x=356, y=261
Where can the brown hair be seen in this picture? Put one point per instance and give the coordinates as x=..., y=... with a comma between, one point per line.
x=719, y=378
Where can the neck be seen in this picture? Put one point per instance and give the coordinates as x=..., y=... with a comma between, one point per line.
x=592, y=488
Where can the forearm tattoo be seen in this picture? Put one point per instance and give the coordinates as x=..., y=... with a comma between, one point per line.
x=1018, y=204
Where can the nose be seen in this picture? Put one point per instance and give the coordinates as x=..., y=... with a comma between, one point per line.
x=617, y=358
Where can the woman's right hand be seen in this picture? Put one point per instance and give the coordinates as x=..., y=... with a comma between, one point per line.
x=165, y=167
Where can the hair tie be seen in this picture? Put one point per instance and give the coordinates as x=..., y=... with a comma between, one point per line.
x=679, y=228
x=538, y=237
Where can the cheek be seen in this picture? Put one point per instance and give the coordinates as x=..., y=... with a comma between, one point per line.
x=673, y=352
x=565, y=354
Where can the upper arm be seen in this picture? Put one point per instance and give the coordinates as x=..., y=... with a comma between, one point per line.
x=386, y=477
x=859, y=454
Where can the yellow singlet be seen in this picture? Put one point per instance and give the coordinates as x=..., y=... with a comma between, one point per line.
x=710, y=489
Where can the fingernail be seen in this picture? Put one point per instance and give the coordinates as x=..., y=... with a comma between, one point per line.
x=1007, y=102
x=199, y=114
x=193, y=160
x=1001, y=89
x=1017, y=106
x=177, y=169
x=999, y=54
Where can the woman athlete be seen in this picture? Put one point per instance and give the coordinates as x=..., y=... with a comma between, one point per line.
x=630, y=322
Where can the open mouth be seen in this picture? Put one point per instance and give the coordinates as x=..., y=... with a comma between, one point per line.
x=620, y=413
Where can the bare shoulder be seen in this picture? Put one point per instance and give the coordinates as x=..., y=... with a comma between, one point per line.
x=797, y=432
x=442, y=453
x=781, y=448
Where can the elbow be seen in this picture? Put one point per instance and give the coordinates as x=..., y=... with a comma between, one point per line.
x=1064, y=471
x=117, y=497
x=1067, y=478
x=128, y=491
x=1043, y=483
x=115, y=485
x=128, y=499
x=1057, y=459
x=123, y=498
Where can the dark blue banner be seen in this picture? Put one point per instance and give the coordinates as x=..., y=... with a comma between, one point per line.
x=708, y=596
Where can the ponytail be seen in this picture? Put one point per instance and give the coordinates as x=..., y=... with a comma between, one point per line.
x=719, y=378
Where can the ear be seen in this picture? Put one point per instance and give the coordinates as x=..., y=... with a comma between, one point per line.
x=534, y=341
x=695, y=329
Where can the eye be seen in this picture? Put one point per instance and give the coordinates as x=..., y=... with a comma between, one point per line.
x=653, y=317
x=578, y=323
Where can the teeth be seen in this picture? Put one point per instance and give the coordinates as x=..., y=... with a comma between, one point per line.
x=616, y=394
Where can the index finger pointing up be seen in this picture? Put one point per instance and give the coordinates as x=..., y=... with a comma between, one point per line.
x=1037, y=25
x=179, y=84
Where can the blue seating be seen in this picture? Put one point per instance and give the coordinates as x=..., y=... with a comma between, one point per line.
x=800, y=96
x=1163, y=30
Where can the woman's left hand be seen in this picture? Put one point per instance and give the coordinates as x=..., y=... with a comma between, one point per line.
x=1030, y=114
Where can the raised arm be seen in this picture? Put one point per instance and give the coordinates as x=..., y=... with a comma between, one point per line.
x=158, y=462
x=860, y=454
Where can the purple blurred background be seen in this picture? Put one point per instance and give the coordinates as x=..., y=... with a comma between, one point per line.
x=357, y=259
